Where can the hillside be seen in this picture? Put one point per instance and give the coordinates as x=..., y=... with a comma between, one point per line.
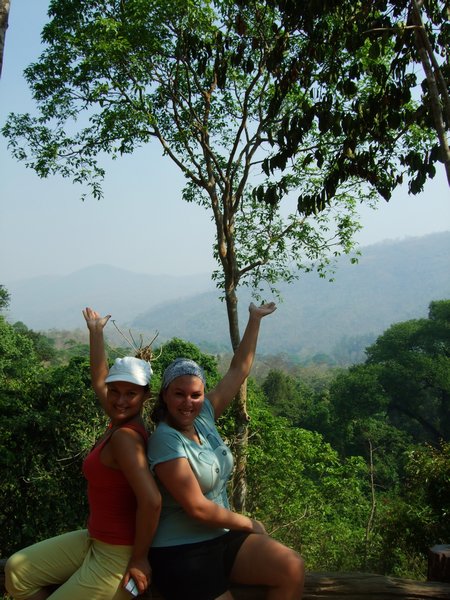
x=393, y=281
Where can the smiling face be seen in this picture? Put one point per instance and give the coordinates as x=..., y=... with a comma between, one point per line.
x=184, y=398
x=124, y=401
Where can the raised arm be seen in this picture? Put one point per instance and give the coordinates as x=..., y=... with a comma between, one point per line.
x=99, y=365
x=242, y=361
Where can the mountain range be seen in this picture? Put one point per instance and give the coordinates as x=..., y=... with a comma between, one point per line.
x=393, y=281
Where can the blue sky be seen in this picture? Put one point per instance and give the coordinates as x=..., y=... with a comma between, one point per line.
x=46, y=229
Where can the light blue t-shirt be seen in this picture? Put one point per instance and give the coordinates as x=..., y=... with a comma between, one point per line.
x=212, y=463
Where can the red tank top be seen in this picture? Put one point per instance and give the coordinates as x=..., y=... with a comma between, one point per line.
x=112, y=503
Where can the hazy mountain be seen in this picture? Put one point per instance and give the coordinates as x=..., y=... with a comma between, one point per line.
x=56, y=302
x=394, y=281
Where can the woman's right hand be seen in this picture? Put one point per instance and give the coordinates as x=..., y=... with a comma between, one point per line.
x=94, y=321
x=258, y=527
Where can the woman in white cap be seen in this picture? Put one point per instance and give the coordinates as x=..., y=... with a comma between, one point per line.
x=99, y=562
x=201, y=546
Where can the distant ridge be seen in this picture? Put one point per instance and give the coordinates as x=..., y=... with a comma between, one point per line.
x=55, y=302
x=394, y=281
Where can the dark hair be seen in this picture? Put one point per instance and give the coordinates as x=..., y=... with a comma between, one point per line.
x=159, y=410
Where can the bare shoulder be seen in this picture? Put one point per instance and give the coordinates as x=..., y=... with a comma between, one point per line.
x=126, y=436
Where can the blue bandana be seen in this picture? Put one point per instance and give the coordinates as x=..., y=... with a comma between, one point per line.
x=180, y=367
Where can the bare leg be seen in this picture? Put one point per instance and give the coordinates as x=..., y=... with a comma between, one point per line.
x=262, y=560
x=226, y=596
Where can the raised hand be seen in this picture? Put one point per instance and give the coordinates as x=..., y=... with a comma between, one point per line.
x=94, y=321
x=262, y=310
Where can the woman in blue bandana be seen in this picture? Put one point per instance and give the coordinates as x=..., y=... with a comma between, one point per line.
x=201, y=546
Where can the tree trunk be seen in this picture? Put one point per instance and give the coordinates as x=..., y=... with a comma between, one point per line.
x=4, y=14
x=239, y=408
x=439, y=98
x=439, y=563
x=240, y=445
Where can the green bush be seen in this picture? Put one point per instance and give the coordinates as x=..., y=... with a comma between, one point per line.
x=49, y=420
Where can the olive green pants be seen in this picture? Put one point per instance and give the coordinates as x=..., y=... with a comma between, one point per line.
x=85, y=568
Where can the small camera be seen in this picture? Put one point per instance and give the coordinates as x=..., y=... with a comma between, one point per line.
x=132, y=587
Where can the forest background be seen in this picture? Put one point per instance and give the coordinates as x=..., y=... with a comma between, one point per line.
x=349, y=465
x=368, y=447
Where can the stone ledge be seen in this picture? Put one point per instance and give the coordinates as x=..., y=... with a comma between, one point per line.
x=334, y=586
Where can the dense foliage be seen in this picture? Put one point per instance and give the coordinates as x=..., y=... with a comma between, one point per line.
x=332, y=470
x=43, y=436
x=4, y=298
x=305, y=494
x=405, y=381
x=392, y=411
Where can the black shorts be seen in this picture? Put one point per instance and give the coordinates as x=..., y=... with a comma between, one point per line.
x=197, y=571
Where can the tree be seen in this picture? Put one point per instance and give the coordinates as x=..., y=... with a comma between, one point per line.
x=404, y=384
x=43, y=346
x=414, y=362
x=294, y=399
x=49, y=420
x=4, y=298
x=414, y=518
x=176, y=348
x=232, y=91
x=428, y=471
x=4, y=14
x=436, y=88
x=418, y=32
x=284, y=396
x=304, y=494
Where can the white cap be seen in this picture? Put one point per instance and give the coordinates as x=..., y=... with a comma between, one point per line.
x=131, y=369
